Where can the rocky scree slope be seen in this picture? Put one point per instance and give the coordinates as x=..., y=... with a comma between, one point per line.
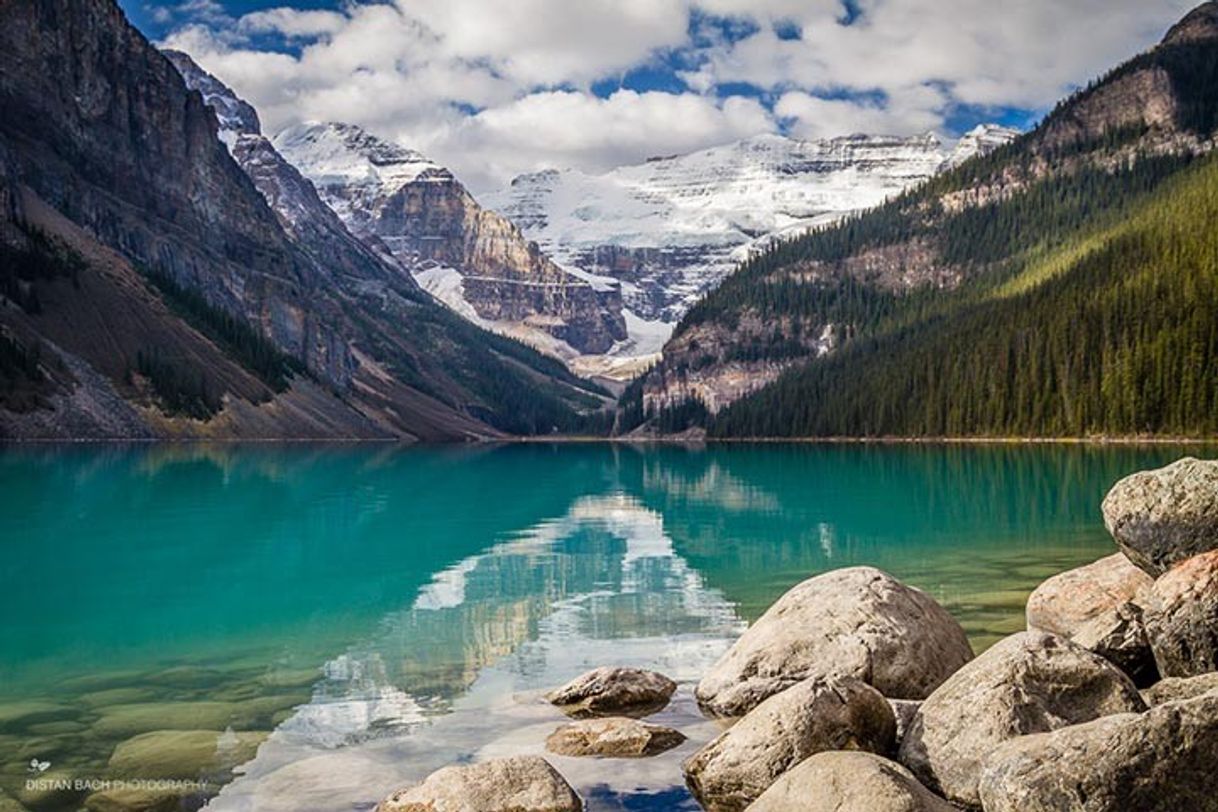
x=915, y=318
x=149, y=290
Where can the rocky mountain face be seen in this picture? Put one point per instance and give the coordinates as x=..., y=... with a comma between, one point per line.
x=1002, y=218
x=470, y=257
x=150, y=290
x=671, y=229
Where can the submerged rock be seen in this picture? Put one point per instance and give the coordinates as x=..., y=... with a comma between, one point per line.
x=1162, y=517
x=22, y=713
x=619, y=737
x=517, y=784
x=144, y=717
x=184, y=754
x=1182, y=618
x=134, y=800
x=1160, y=761
x=857, y=622
x=816, y=715
x=614, y=692
x=849, y=781
x=1173, y=689
x=1031, y=682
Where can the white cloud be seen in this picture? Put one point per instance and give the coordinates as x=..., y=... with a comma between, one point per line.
x=493, y=88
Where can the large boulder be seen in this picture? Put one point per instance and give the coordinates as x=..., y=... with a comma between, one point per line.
x=858, y=622
x=1070, y=600
x=1173, y=689
x=1159, y=518
x=1031, y=682
x=1096, y=607
x=1182, y=618
x=816, y=715
x=631, y=692
x=846, y=781
x=1160, y=761
x=617, y=737
x=517, y=784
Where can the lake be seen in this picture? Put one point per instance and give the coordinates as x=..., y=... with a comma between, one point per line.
x=377, y=612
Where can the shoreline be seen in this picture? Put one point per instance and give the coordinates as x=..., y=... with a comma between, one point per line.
x=624, y=440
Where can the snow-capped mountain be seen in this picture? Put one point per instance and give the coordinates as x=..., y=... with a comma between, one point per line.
x=473, y=259
x=672, y=228
x=980, y=140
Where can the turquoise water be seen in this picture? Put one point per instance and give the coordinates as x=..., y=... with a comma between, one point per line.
x=380, y=612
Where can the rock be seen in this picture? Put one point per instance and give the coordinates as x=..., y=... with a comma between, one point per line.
x=10, y=804
x=1160, y=761
x=1162, y=517
x=615, y=738
x=903, y=710
x=143, y=717
x=1031, y=682
x=1182, y=618
x=517, y=784
x=1066, y=602
x=814, y=716
x=614, y=692
x=134, y=799
x=1173, y=689
x=183, y=754
x=22, y=713
x=1119, y=636
x=857, y=622
x=842, y=781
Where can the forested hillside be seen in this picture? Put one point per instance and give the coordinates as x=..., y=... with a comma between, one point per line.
x=1061, y=285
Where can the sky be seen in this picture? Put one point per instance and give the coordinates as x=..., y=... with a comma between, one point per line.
x=495, y=88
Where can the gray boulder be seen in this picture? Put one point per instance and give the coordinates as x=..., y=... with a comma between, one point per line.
x=1173, y=689
x=1182, y=618
x=845, y=781
x=632, y=692
x=819, y=714
x=1031, y=682
x=858, y=622
x=1163, y=760
x=618, y=737
x=517, y=784
x=1159, y=518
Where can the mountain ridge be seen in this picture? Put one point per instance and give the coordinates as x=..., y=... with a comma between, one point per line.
x=1022, y=216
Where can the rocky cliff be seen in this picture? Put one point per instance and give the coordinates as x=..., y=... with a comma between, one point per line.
x=152, y=291
x=429, y=221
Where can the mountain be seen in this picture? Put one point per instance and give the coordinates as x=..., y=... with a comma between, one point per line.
x=150, y=291
x=673, y=228
x=472, y=258
x=1063, y=284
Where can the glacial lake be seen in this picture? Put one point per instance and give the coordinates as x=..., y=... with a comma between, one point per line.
x=382, y=611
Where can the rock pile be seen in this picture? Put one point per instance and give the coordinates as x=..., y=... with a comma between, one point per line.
x=856, y=693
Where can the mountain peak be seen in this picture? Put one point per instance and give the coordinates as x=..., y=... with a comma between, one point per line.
x=335, y=152
x=1199, y=25
x=233, y=114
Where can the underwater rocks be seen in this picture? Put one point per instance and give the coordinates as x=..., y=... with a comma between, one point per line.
x=613, y=738
x=817, y=715
x=857, y=622
x=517, y=784
x=184, y=754
x=630, y=692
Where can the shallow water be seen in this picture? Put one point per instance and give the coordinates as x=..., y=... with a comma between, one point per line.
x=381, y=612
